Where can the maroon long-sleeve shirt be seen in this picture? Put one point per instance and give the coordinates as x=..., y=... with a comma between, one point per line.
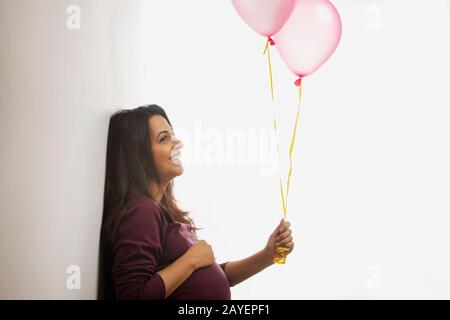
x=148, y=240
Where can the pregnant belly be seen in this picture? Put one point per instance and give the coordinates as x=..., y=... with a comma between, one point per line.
x=208, y=283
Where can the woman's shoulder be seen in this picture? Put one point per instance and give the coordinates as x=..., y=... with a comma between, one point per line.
x=144, y=207
x=142, y=222
x=143, y=201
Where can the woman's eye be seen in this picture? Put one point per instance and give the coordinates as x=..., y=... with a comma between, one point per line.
x=164, y=138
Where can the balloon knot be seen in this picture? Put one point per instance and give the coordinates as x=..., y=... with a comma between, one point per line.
x=272, y=43
x=298, y=82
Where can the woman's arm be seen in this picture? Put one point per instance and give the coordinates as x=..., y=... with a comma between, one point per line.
x=238, y=271
x=176, y=274
x=198, y=255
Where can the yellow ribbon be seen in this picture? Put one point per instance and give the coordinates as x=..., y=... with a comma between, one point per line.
x=267, y=49
x=282, y=252
x=292, y=144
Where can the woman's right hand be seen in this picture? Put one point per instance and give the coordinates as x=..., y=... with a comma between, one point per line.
x=200, y=254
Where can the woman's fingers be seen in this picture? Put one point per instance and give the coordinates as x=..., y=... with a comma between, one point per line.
x=285, y=241
x=284, y=235
x=278, y=228
x=282, y=227
x=290, y=245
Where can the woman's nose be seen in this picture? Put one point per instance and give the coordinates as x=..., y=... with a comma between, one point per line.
x=178, y=144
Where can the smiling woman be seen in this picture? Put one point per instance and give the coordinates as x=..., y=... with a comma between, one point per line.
x=149, y=246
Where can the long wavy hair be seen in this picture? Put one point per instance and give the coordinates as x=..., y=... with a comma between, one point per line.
x=130, y=167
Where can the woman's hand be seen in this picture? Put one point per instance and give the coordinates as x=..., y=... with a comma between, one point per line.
x=200, y=254
x=280, y=237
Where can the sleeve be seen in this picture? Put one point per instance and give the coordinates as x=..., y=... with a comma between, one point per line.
x=136, y=253
x=222, y=265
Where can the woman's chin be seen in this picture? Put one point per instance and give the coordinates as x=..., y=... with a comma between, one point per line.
x=178, y=168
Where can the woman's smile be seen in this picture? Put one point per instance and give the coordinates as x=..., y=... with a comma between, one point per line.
x=175, y=157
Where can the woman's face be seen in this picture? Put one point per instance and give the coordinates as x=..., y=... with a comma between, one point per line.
x=165, y=149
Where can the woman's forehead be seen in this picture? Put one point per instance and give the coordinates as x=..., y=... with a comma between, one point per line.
x=158, y=123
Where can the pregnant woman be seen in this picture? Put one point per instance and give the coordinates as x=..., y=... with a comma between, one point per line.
x=149, y=245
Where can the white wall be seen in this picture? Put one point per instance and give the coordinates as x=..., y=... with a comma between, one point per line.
x=368, y=203
x=57, y=87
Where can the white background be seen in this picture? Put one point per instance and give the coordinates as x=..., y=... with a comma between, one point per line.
x=369, y=198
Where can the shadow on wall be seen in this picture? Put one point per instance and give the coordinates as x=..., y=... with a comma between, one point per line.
x=100, y=275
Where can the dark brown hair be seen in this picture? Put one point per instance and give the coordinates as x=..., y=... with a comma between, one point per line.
x=130, y=167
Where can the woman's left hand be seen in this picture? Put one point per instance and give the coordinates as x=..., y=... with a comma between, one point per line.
x=280, y=237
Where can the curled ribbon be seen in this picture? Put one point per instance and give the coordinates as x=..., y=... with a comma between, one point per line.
x=280, y=258
x=267, y=49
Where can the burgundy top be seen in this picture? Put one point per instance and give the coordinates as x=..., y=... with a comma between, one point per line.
x=148, y=240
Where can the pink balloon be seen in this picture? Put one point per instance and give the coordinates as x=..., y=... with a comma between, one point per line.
x=310, y=36
x=266, y=17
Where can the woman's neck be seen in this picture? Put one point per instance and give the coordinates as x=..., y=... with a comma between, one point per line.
x=157, y=191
